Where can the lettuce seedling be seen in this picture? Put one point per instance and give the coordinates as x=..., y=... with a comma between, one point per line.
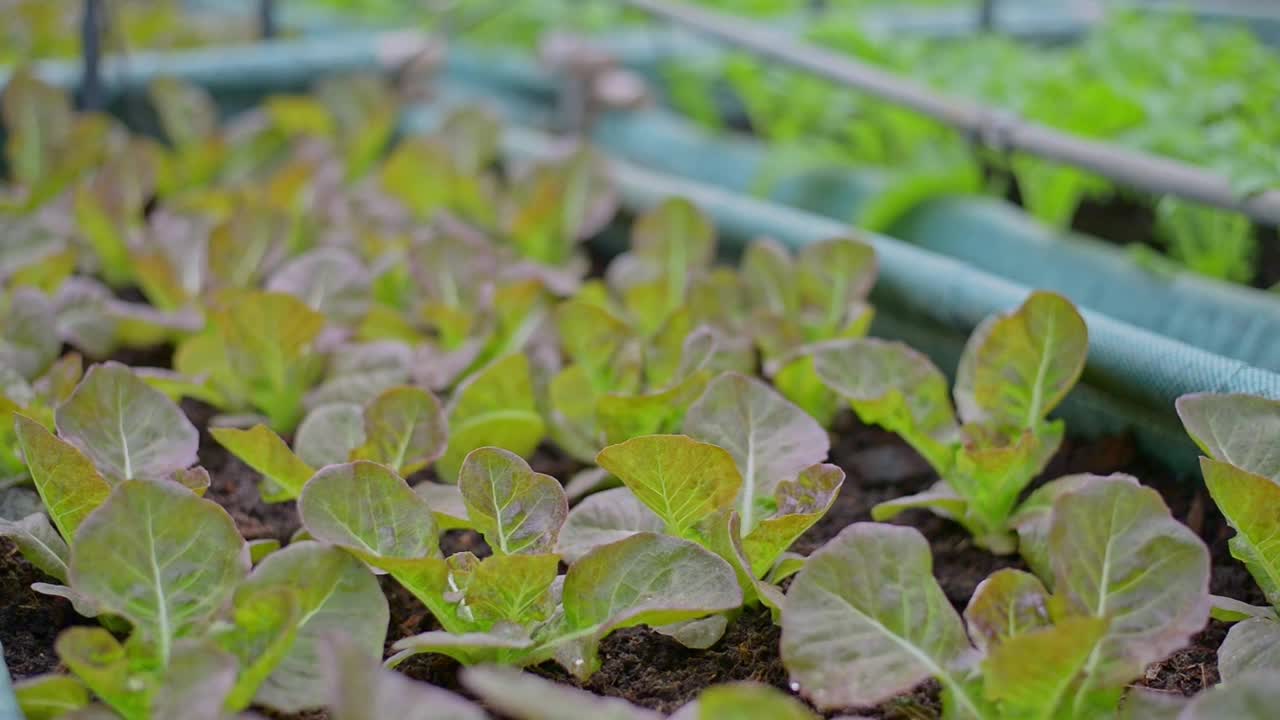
x=819, y=295
x=637, y=360
x=258, y=352
x=746, y=499
x=1014, y=370
x=207, y=633
x=511, y=607
x=48, y=147
x=865, y=619
x=1242, y=470
x=111, y=429
x=555, y=206
x=403, y=428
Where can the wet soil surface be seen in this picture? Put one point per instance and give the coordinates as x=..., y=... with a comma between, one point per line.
x=650, y=669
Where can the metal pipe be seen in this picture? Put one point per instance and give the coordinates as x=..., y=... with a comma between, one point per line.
x=267, y=18
x=999, y=129
x=91, y=21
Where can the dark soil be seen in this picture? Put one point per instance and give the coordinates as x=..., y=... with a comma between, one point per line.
x=29, y=621
x=650, y=669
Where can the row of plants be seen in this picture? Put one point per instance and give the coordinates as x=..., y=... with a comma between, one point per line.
x=1161, y=83
x=390, y=335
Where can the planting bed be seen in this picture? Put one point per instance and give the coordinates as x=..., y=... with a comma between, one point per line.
x=655, y=671
x=362, y=400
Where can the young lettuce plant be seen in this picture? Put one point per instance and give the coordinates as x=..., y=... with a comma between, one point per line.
x=747, y=498
x=113, y=428
x=819, y=295
x=1015, y=369
x=257, y=353
x=207, y=635
x=403, y=428
x=636, y=358
x=865, y=619
x=512, y=607
x=1242, y=472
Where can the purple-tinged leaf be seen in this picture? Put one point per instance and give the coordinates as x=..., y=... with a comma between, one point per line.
x=1145, y=704
x=865, y=620
x=517, y=509
x=329, y=280
x=1254, y=696
x=895, y=387
x=1117, y=553
x=1032, y=519
x=82, y=309
x=127, y=428
x=330, y=434
x=1007, y=604
x=405, y=429
x=1236, y=429
x=1250, y=645
x=160, y=557
x=1230, y=610
x=799, y=504
x=645, y=579
x=335, y=592
x=697, y=634
x=195, y=682
x=770, y=439
x=359, y=373
x=446, y=503
x=603, y=518
x=437, y=368
x=365, y=508
x=1018, y=366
